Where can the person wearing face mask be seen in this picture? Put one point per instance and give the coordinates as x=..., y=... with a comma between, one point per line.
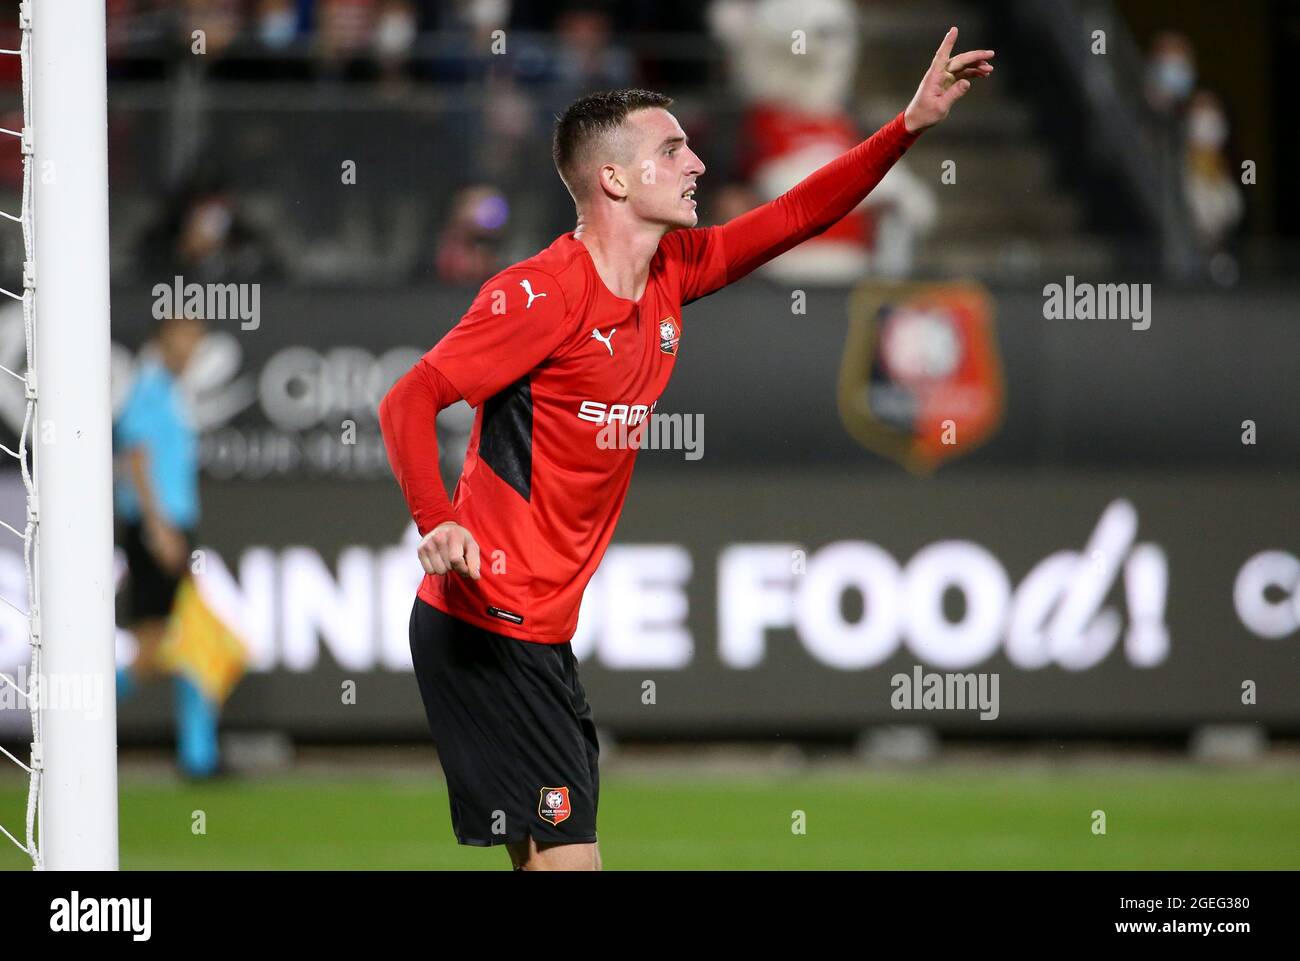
x=1171, y=72
x=277, y=24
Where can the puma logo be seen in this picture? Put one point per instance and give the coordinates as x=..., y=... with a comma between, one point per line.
x=605, y=340
x=528, y=289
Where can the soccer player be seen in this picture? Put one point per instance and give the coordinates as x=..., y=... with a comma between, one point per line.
x=551, y=352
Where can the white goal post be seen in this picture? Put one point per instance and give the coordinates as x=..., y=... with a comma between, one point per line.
x=74, y=751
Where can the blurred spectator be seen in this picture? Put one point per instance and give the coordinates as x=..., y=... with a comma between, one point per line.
x=344, y=31
x=221, y=21
x=468, y=249
x=567, y=50
x=204, y=237
x=144, y=35
x=120, y=19
x=586, y=59
x=395, y=31
x=1213, y=194
x=1171, y=72
x=276, y=44
x=1192, y=133
x=278, y=25
x=457, y=43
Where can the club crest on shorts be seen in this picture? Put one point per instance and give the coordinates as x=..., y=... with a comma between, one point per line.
x=668, y=336
x=553, y=805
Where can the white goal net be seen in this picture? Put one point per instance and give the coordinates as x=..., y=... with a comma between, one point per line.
x=64, y=446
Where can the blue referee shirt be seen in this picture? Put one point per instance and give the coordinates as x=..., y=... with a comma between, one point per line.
x=156, y=418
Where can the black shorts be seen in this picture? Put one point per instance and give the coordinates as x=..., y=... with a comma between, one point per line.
x=150, y=589
x=513, y=729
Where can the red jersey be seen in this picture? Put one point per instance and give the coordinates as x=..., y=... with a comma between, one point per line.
x=551, y=358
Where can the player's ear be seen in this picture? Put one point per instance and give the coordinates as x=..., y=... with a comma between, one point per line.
x=613, y=180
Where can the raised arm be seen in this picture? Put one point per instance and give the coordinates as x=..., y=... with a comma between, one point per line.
x=811, y=206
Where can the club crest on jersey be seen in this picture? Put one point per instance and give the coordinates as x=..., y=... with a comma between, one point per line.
x=921, y=379
x=553, y=804
x=668, y=336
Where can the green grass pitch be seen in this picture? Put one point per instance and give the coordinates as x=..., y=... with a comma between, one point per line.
x=1163, y=817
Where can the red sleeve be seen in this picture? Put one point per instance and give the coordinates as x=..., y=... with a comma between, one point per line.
x=504, y=334
x=713, y=257
x=408, y=417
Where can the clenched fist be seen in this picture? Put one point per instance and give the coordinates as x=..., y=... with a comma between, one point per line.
x=449, y=547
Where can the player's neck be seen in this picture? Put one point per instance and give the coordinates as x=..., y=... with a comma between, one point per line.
x=621, y=253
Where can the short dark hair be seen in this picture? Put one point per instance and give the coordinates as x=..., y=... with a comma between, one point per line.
x=589, y=119
x=177, y=318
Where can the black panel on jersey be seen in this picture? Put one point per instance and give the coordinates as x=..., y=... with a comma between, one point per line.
x=506, y=438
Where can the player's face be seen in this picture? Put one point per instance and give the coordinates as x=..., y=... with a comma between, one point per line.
x=662, y=181
x=178, y=341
